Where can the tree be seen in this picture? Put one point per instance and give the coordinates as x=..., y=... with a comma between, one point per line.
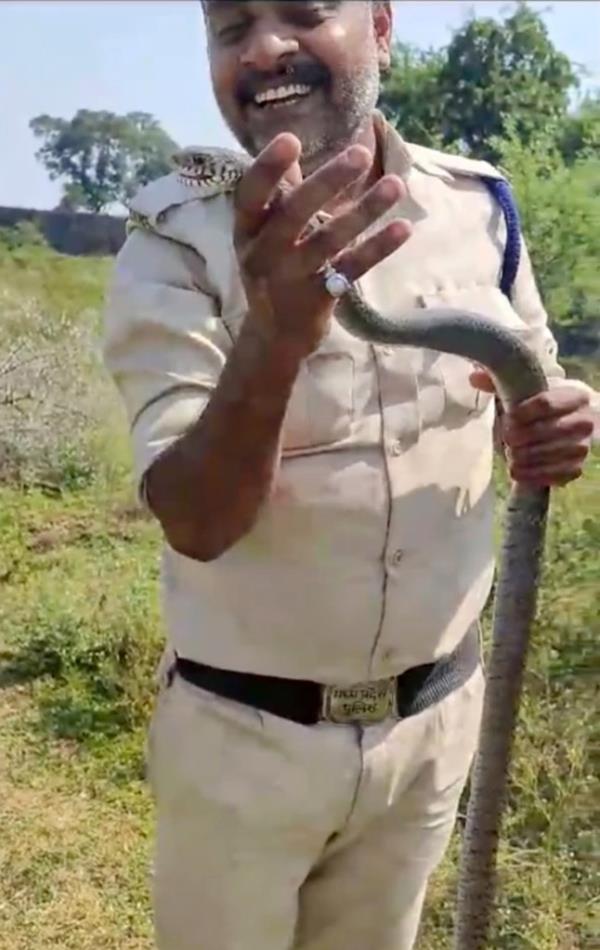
x=411, y=95
x=500, y=72
x=491, y=73
x=103, y=157
x=579, y=134
x=560, y=213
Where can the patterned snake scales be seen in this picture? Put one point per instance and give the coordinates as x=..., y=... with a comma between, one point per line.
x=518, y=376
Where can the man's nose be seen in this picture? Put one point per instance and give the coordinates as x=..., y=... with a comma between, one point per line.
x=267, y=49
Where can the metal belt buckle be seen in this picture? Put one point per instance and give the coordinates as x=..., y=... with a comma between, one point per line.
x=360, y=703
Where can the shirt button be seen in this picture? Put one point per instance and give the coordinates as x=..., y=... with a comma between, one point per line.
x=387, y=350
x=396, y=557
x=396, y=448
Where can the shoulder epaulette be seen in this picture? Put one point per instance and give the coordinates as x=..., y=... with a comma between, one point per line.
x=450, y=166
x=152, y=203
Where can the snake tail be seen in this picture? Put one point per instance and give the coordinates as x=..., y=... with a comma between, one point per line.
x=518, y=376
x=514, y=613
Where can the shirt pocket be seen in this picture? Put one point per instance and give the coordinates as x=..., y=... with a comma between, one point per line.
x=451, y=372
x=321, y=407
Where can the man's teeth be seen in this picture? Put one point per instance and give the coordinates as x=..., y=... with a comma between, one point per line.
x=282, y=92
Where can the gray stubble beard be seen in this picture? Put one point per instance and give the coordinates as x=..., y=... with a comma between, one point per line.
x=357, y=98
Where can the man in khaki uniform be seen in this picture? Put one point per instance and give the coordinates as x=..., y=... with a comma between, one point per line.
x=326, y=504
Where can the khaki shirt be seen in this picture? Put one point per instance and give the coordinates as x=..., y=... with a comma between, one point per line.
x=374, y=553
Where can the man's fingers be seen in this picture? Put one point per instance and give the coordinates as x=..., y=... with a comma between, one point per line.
x=360, y=259
x=564, y=449
x=295, y=210
x=545, y=476
x=482, y=380
x=330, y=240
x=550, y=405
x=579, y=424
x=278, y=160
x=323, y=185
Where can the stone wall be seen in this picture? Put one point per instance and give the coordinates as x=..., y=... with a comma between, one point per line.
x=72, y=232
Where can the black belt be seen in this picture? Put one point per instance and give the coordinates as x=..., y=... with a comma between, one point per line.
x=307, y=703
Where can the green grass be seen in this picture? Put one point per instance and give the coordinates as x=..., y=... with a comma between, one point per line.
x=80, y=635
x=62, y=284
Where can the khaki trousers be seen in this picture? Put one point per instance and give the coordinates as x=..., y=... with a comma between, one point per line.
x=276, y=836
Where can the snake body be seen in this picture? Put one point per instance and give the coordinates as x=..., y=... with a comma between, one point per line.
x=518, y=376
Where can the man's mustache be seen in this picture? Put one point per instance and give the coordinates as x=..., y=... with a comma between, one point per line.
x=294, y=74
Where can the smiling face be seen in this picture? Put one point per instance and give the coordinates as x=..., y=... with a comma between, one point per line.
x=310, y=67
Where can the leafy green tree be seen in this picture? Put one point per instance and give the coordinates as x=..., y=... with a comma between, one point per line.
x=499, y=72
x=491, y=73
x=103, y=157
x=560, y=212
x=579, y=135
x=411, y=94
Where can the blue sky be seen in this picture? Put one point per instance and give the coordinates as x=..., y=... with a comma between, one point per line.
x=124, y=55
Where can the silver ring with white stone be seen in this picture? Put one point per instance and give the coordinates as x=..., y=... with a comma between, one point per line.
x=336, y=284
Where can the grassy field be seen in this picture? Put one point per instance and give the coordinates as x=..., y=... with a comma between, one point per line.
x=80, y=634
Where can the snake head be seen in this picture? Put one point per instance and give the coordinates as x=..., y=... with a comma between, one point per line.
x=210, y=166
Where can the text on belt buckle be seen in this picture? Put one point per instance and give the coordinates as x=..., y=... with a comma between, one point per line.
x=366, y=702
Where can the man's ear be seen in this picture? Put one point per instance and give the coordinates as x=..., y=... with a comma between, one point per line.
x=382, y=24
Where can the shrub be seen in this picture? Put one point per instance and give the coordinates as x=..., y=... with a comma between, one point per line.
x=55, y=400
x=23, y=234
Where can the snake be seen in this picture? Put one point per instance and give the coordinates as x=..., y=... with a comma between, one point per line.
x=518, y=375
